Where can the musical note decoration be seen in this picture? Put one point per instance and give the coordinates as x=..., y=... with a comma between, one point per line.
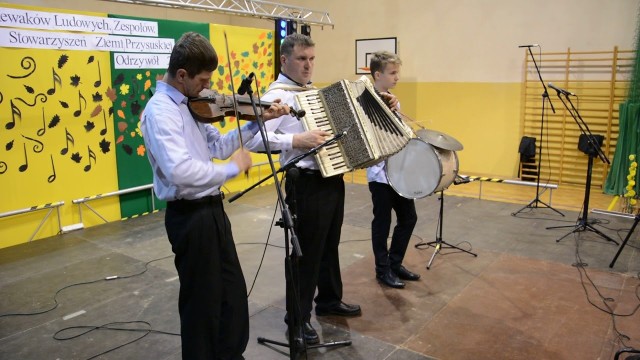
x=103, y=132
x=81, y=107
x=99, y=81
x=68, y=139
x=56, y=81
x=9, y=145
x=52, y=177
x=63, y=104
x=27, y=63
x=43, y=129
x=24, y=166
x=3, y=167
x=29, y=89
x=15, y=112
x=92, y=155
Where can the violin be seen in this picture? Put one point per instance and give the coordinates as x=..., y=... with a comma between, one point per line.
x=215, y=107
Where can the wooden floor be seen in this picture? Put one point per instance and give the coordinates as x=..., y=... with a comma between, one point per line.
x=526, y=295
x=565, y=197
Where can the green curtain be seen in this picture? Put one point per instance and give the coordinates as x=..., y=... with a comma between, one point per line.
x=628, y=132
x=627, y=145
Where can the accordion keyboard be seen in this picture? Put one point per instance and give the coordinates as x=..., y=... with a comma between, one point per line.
x=329, y=158
x=373, y=132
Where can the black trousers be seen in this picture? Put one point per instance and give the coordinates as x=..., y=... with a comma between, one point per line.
x=214, y=314
x=385, y=199
x=318, y=204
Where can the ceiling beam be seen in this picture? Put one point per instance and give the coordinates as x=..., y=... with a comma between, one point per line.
x=255, y=8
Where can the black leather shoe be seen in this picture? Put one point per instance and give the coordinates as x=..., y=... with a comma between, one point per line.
x=310, y=334
x=341, y=309
x=390, y=279
x=405, y=274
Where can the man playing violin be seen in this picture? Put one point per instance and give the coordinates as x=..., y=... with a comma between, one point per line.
x=214, y=320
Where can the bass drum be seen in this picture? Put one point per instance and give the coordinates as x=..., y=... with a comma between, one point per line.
x=421, y=169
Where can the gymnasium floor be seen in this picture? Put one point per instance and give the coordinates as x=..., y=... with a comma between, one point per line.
x=521, y=297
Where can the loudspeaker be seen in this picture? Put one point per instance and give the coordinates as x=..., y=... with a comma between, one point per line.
x=305, y=30
x=586, y=147
x=283, y=28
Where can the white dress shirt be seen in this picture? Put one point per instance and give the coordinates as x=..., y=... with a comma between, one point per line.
x=180, y=149
x=280, y=131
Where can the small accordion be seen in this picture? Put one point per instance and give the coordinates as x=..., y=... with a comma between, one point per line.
x=373, y=131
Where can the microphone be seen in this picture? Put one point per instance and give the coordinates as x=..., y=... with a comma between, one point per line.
x=532, y=45
x=561, y=91
x=246, y=84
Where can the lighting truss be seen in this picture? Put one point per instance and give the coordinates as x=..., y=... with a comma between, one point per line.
x=254, y=8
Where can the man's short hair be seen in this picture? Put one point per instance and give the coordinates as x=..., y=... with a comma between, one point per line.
x=289, y=42
x=194, y=53
x=380, y=59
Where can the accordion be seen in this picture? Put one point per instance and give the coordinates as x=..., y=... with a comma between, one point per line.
x=373, y=132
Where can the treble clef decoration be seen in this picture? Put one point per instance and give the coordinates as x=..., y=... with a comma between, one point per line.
x=41, y=96
x=26, y=63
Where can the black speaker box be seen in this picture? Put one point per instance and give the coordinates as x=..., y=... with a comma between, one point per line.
x=586, y=147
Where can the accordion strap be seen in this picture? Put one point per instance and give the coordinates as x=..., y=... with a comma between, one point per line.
x=288, y=87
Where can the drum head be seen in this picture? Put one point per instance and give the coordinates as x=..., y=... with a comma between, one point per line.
x=415, y=171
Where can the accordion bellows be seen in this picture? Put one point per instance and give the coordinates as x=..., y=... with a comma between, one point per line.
x=373, y=132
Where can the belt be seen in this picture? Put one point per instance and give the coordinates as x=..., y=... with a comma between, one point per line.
x=184, y=203
x=309, y=172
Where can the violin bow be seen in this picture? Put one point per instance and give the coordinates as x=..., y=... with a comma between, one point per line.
x=233, y=95
x=233, y=89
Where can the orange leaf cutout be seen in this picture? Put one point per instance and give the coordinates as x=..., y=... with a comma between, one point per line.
x=121, y=114
x=111, y=94
x=96, y=111
x=147, y=84
x=122, y=126
x=120, y=139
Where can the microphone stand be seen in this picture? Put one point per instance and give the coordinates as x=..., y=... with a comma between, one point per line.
x=583, y=221
x=297, y=343
x=288, y=165
x=545, y=96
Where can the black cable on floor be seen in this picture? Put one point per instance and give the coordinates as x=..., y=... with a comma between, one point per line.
x=89, y=329
x=101, y=327
x=108, y=278
x=581, y=267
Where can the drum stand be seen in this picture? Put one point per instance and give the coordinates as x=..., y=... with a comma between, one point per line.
x=439, y=243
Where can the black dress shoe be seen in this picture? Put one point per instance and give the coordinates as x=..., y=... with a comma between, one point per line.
x=341, y=309
x=390, y=279
x=310, y=334
x=405, y=274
